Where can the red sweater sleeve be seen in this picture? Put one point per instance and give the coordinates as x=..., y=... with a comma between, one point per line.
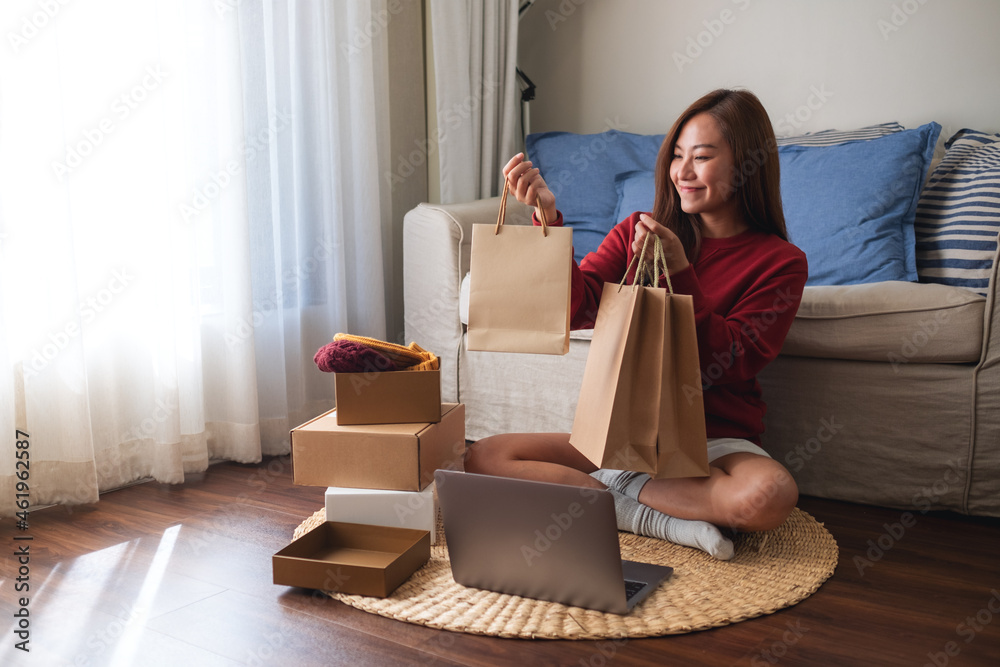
x=736, y=343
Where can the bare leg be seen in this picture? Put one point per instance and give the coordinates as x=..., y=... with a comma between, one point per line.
x=744, y=491
x=544, y=457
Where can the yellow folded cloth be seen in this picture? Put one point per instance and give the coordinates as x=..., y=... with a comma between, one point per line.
x=411, y=357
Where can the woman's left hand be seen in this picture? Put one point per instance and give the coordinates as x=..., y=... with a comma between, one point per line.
x=673, y=250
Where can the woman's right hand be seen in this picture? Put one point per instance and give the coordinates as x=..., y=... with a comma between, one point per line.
x=528, y=186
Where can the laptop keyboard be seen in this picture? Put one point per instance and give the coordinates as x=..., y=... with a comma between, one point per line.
x=633, y=587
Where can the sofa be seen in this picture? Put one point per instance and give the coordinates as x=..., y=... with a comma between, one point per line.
x=887, y=389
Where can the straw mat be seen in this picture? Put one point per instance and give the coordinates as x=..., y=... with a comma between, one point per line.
x=771, y=570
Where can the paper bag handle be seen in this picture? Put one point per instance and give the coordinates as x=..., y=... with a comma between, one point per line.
x=646, y=272
x=503, y=210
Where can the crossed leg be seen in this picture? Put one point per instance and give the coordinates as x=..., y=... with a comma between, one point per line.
x=743, y=491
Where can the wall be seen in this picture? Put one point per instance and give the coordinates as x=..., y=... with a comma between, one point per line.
x=404, y=179
x=636, y=64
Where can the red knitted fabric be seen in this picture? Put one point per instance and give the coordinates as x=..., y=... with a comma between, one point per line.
x=347, y=356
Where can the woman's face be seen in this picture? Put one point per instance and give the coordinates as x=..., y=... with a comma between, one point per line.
x=702, y=170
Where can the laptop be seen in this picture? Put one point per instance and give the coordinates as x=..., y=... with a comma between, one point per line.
x=539, y=540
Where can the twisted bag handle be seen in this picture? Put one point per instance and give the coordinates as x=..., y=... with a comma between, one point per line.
x=649, y=272
x=503, y=210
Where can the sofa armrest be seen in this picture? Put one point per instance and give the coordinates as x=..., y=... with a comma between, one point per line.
x=437, y=242
x=991, y=318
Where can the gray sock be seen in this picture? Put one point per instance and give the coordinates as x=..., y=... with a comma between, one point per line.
x=625, y=482
x=640, y=519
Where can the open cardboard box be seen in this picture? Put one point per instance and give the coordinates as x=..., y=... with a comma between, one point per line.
x=388, y=397
x=401, y=457
x=352, y=558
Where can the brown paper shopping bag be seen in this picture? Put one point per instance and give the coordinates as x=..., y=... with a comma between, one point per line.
x=519, y=287
x=640, y=405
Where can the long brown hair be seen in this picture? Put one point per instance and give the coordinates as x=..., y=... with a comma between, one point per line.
x=756, y=178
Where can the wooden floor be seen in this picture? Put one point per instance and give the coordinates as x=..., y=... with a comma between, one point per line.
x=181, y=575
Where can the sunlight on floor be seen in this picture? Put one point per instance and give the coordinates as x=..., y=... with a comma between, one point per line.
x=129, y=643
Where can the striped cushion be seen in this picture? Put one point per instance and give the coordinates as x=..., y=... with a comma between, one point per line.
x=958, y=215
x=833, y=137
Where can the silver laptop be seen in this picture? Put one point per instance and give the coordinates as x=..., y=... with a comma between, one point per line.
x=538, y=540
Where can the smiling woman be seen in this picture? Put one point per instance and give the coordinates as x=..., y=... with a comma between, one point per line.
x=178, y=240
x=718, y=215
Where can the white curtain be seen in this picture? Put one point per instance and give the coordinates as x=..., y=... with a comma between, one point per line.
x=475, y=57
x=186, y=192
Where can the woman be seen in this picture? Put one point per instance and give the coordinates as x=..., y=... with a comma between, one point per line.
x=718, y=214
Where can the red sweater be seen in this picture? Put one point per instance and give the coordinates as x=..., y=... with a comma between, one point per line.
x=746, y=290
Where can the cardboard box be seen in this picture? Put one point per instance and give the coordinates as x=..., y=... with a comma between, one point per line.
x=400, y=457
x=392, y=397
x=378, y=507
x=352, y=558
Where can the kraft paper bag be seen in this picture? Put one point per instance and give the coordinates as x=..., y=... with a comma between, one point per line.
x=640, y=405
x=519, y=287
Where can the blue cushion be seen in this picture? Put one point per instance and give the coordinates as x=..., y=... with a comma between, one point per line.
x=636, y=192
x=850, y=207
x=580, y=170
x=958, y=215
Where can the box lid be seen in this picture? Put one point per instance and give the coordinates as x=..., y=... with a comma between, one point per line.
x=328, y=422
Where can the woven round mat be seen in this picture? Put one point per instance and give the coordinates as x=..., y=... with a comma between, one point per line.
x=771, y=570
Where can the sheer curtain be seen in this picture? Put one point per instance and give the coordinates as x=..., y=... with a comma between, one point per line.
x=475, y=58
x=189, y=208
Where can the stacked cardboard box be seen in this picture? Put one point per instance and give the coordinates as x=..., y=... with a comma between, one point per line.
x=376, y=452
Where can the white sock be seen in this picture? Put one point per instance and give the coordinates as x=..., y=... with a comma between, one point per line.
x=640, y=519
x=625, y=482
